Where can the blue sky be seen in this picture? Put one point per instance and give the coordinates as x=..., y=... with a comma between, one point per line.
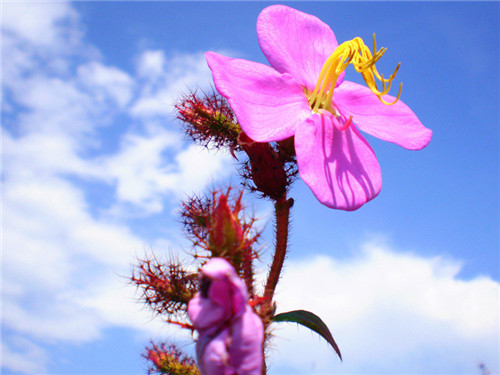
x=94, y=165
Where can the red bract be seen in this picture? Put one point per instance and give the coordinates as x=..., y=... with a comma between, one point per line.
x=218, y=225
x=167, y=359
x=267, y=168
x=208, y=120
x=166, y=288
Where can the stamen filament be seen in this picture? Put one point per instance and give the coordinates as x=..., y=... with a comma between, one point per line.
x=353, y=52
x=346, y=124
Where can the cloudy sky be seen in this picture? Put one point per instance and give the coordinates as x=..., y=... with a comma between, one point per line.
x=94, y=165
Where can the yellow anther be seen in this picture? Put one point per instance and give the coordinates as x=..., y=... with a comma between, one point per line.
x=353, y=52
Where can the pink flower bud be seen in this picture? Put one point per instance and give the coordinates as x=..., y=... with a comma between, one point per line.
x=230, y=333
x=226, y=232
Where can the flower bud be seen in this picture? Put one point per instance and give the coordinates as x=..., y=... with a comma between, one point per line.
x=230, y=333
x=169, y=360
x=226, y=233
x=267, y=170
x=209, y=120
x=165, y=287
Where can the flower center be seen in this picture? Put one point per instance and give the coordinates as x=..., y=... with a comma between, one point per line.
x=353, y=52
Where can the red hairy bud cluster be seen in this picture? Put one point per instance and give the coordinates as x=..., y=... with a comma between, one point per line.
x=209, y=120
x=169, y=360
x=218, y=225
x=166, y=288
x=195, y=215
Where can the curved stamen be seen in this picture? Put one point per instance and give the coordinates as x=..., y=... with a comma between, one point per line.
x=353, y=52
x=346, y=124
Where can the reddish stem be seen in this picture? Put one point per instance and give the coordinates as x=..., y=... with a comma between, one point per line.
x=248, y=271
x=282, y=211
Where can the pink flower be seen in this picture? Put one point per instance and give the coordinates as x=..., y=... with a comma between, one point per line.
x=230, y=333
x=305, y=96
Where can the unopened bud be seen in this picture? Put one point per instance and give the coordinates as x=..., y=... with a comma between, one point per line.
x=267, y=169
x=209, y=120
x=169, y=360
x=226, y=233
x=165, y=288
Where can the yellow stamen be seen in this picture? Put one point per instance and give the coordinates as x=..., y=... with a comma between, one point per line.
x=353, y=52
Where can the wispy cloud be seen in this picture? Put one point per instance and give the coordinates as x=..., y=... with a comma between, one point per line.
x=21, y=355
x=74, y=129
x=163, y=78
x=390, y=312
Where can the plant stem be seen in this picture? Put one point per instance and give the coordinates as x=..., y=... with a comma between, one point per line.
x=248, y=270
x=282, y=212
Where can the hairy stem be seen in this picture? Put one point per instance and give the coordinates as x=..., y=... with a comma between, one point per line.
x=282, y=211
x=248, y=270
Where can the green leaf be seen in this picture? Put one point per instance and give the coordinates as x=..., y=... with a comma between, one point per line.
x=311, y=321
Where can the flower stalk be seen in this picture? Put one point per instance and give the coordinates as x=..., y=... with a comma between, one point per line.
x=282, y=213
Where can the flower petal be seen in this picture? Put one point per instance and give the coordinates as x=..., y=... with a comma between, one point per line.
x=268, y=105
x=206, y=314
x=226, y=288
x=339, y=167
x=232, y=344
x=393, y=123
x=295, y=42
x=211, y=352
x=245, y=351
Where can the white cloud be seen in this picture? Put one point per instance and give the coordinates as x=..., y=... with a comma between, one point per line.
x=67, y=322
x=40, y=35
x=23, y=356
x=64, y=257
x=390, y=313
x=140, y=167
x=46, y=153
x=41, y=23
x=144, y=176
x=106, y=82
x=54, y=105
x=198, y=168
x=151, y=64
x=166, y=79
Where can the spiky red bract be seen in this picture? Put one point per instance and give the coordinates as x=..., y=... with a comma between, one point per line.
x=208, y=120
x=168, y=359
x=165, y=287
x=219, y=226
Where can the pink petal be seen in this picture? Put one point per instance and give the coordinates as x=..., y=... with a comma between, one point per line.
x=205, y=314
x=339, y=167
x=268, y=105
x=209, y=313
x=212, y=354
x=393, y=123
x=246, y=346
x=295, y=42
x=226, y=289
x=228, y=342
